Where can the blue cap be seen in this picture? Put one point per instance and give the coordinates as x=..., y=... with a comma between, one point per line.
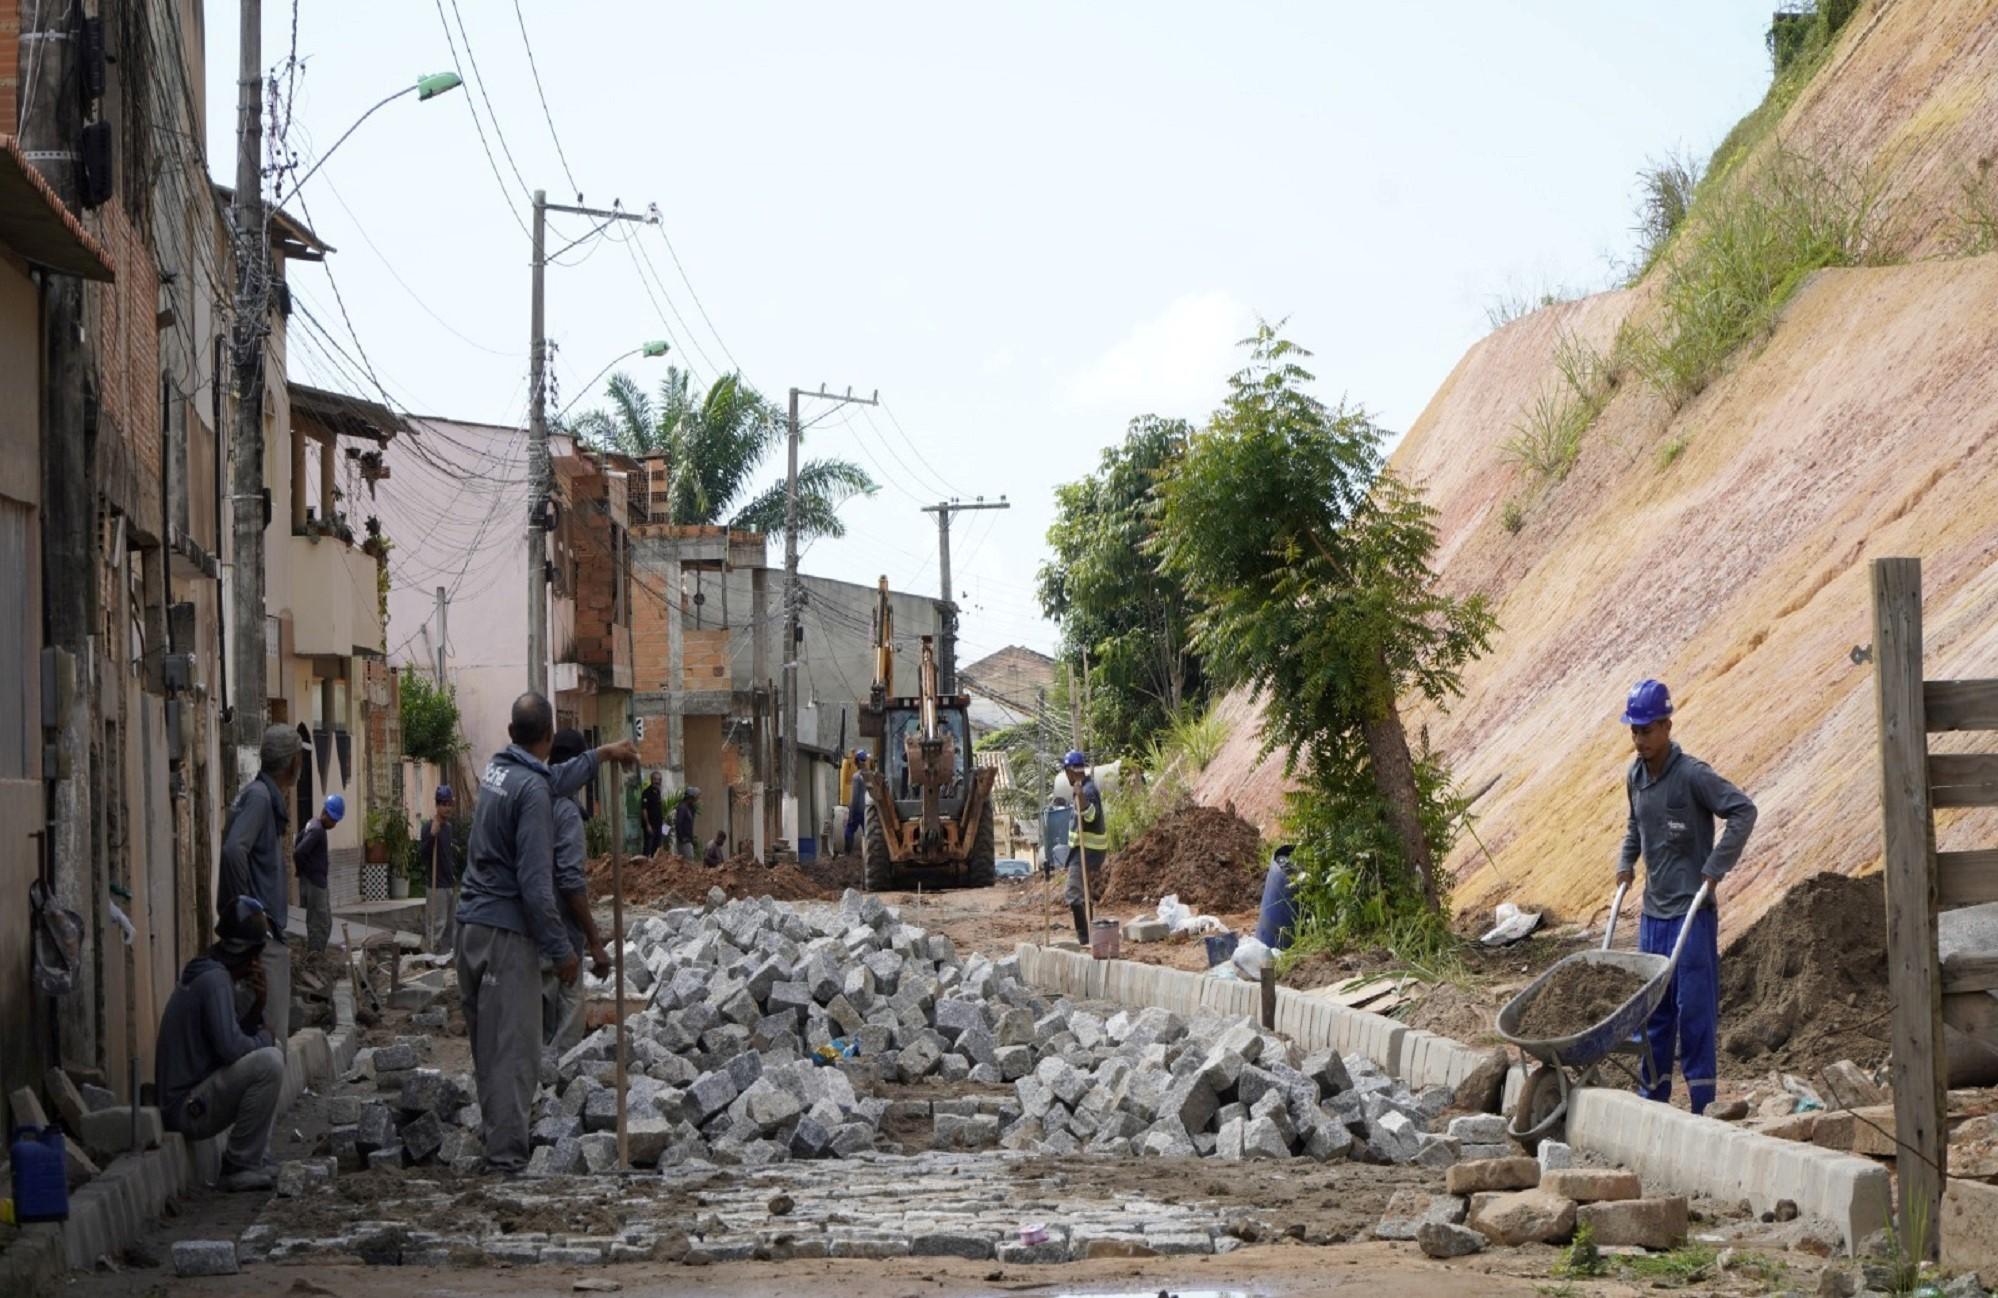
x=443, y=794
x=336, y=807
x=1075, y=759
x=1649, y=701
x=860, y=754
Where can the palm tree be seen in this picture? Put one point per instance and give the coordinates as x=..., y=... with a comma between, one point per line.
x=713, y=447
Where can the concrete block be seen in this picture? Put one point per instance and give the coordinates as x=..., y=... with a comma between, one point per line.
x=1591, y=1184
x=1969, y=1228
x=109, y=1131
x=1523, y=1217
x=1676, y=1152
x=1497, y=1174
x=1640, y=1223
x=201, y=1257
x=1409, y=1209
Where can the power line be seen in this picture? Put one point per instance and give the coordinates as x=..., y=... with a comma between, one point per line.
x=477, y=125
x=542, y=95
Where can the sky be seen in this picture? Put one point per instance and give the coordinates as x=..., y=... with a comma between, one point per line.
x=1021, y=224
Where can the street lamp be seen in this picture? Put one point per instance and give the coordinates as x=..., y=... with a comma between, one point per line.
x=426, y=87
x=649, y=350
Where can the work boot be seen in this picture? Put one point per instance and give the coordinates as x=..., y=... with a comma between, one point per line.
x=247, y=1179
x=1081, y=922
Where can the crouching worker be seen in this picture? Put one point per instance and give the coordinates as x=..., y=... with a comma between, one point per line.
x=216, y=1069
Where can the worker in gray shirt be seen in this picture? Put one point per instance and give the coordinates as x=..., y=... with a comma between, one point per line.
x=508, y=919
x=1673, y=802
x=562, y=1003
x=253, y=864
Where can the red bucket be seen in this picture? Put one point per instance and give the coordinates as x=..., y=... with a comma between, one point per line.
x=1105, y=939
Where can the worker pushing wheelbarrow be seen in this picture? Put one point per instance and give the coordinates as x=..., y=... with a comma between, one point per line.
x=1674, y=800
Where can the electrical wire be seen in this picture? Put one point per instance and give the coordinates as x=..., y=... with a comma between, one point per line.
x=477, y=125
x=542, y=95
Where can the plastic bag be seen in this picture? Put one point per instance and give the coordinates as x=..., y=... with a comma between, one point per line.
x=1250, y=957
x=1511, y=925
x=1179, y=918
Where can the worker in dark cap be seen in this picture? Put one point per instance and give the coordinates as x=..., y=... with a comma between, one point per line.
x=434, y=848
x=253, y=864
x=684, y=841
x=509, y=919
x=215, y=1068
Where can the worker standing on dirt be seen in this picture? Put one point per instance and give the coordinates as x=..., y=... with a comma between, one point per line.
x=434, y=852
x=1673, y=802
x=1088, y=840
x=308, y=856
x=856, y=797
x=562, y=1002
x=684, y=841
x=252, y=865
x=508, y=918
x=651, y=816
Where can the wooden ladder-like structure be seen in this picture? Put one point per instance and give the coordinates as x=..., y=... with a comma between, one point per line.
x=1921, y=881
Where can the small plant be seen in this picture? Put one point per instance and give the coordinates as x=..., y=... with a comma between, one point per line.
x=1675, y=1269
x=429, y=720
x=1976, y=213
x=1547, y=438
x=597, y=836
x=1583, y=1257
x=1669, y=453
x=1507, y=307
x=1192, y=739
x=1512, y=517
x=1665, y=197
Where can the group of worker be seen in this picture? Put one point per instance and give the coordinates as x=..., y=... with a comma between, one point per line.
x=652, y=823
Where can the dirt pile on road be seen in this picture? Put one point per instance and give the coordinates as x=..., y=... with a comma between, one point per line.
x=1576, y=998
x=1212, y=859
x=1806, y=984
x=668, y=878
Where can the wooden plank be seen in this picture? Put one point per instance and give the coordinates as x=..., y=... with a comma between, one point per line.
x=1960, y=705
x=1972, y=1013
x=1914, y=980
x=1966, y=878
x=1963, y=780
x=1969, y=972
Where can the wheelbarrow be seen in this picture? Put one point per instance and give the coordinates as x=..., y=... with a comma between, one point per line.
x=1566, y=1063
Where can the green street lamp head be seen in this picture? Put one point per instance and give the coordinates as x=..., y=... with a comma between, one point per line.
x=654, y=348
x=436, y=84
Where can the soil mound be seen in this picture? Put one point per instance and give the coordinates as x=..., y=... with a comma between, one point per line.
x=666, y=877
x=1806, y=984
x=1212, y=859
x=1576, y=998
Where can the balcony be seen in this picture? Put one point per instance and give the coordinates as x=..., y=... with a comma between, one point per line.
x=336, y=609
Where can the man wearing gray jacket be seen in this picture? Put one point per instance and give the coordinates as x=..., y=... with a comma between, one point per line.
x=253, y=864
x=1673, y=802
x=509, y=918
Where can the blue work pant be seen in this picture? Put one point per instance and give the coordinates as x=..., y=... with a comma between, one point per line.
x=1686, y=1022
x=854, y=815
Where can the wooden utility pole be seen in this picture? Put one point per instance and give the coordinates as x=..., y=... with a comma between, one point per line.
x=247, y=502
x=540, y=482
x=51, y=125
x=947, y=606
x=794, y=598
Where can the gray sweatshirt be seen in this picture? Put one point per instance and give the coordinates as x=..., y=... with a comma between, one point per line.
x=1672, y=826
x=569, y=851
x=509, y=878
x=200, y=1035
x=252, y=862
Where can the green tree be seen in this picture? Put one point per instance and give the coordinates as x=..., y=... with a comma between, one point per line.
x=429, y=717
x=713, y=446
x=1104, y=588
x=1309, y=561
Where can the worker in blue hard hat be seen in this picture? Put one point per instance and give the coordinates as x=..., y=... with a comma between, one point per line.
x=856, y=797
x=308, y=854
x=1673, y=802
x=1088, y=840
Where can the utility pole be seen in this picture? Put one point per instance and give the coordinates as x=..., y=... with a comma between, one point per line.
x=247, y=503
x=51, y=125
x=947, y=606
x=443, y=605
x=793, y=598
x=540, y=484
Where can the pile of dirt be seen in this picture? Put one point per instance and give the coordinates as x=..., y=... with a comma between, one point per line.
x=1806, y=984
x=1576, y=998
x=1211, y=858
x=667, y=878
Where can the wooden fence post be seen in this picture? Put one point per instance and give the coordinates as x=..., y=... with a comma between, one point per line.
x=1914, y=980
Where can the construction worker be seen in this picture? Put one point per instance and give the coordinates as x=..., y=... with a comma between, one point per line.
x=215, y=1067
x=1088, y=839
x=509, y=918
x=717, y=853
x=1673, y=800
x=562, y=1002
x=651, y=819
x=435, y=852
x=856, y=797
x=683, y=822
x=308, y=854
x=252, y=865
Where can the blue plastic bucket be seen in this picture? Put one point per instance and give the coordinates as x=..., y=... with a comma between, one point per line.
x=1220, y=948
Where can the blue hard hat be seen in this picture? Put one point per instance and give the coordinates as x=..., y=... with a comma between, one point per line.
x=860, y=754
x=1075, y=759
x=336, y=807
x=1649, y=701
x=443, y=794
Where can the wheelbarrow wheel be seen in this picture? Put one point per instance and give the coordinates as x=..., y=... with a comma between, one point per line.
x=1538, y=1099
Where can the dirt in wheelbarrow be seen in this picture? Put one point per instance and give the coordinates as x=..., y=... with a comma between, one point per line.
x=1576, y=998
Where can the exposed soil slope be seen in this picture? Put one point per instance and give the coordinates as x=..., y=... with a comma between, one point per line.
x=1724, y=547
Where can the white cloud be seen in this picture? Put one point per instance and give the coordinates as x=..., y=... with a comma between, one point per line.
x=1175, y=363
x=1000, y=360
